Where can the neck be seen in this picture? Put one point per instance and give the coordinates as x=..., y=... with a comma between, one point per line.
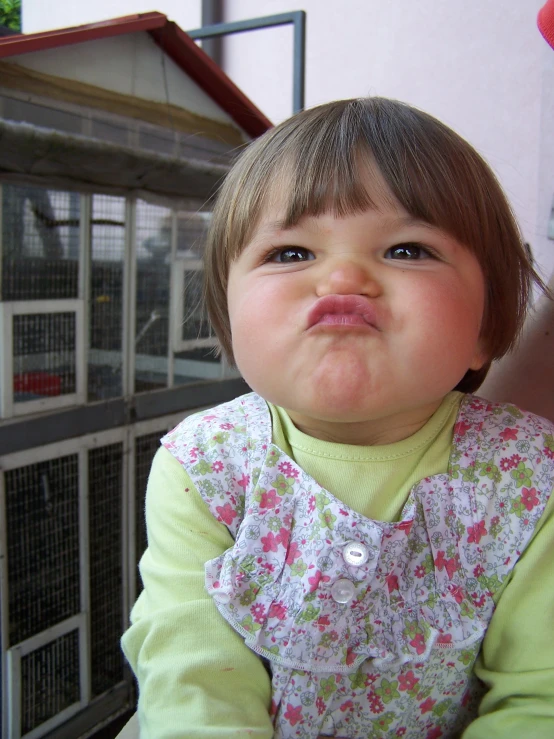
x=373, y=432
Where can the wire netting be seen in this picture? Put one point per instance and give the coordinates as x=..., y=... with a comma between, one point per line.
x=44, y=360
x=105, y=356
x=106, y=568
x=40, y=243
x=49, y=680
x=42, y=524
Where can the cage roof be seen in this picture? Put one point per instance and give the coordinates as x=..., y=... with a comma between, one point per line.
x=172, y=40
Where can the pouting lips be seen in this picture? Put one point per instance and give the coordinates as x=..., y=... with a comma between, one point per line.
x=343, y=310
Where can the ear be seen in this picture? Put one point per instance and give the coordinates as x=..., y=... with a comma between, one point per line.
x=481, y=355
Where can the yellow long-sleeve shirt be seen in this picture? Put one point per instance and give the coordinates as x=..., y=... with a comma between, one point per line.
x=196, y=676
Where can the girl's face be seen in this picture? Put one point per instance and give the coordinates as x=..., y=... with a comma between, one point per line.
x=358, y=326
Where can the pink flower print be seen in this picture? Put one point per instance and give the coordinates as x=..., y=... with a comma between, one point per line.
x=407, y=681
x=508, y=434
x=346, y=706
x=226, y=513
x=217, y=466
x=392, y=582
x=505, y=464
x=529, y=498
x=434, y=733
x=375, y=703
x=270, y=542
x=406, y=527
x=450, y=565
x=461, y=428
x=293, y=714
x=315, y=579
x=350, y=656
x=321, y=706
x=419, y=571
x=401, y=731
x=269, y=499
x=444, y=639
x=287, y=469
x=284, y=536
x=311, y=504
x=292, y=553
x=244, y=480
x=457, y=593
x=476, y=532
x=322, y=622
x=515, y=459
x=277, y=610
x=226, y=426
x=418, y=643
x=478, y=601
x=258, y=612
x=427, y=705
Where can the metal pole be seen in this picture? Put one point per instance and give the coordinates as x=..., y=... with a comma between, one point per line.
x=296, y=18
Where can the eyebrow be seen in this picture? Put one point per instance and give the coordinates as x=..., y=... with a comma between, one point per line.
x=389, y=222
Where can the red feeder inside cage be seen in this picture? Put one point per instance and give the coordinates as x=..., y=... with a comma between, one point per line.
x=37, y=383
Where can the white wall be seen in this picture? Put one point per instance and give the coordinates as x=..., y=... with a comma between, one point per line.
x=39, y=15
x=479, y=65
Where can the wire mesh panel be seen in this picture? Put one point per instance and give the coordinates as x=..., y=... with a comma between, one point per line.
x=153, y=229
x=44, y=359
x=106, y=582
x=42, y=524
x=105, y=357
x=49, y=680
x=145, y=448
x=40, y=243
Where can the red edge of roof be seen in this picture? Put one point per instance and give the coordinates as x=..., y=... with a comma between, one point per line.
x=172, y=40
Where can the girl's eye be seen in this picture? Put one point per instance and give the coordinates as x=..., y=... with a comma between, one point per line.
x=291, y=254
x=408, y=251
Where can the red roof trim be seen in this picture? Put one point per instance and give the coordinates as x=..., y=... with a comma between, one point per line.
x=211, y=78
x=172, y=40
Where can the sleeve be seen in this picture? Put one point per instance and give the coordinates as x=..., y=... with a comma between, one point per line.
x=516, y=662
x=196, y=676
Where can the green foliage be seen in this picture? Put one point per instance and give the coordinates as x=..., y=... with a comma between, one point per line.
x=10, y=14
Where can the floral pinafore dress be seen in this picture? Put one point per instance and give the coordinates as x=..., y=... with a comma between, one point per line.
x=369, y=629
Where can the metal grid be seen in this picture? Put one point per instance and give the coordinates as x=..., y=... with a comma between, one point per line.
x=42, y=524
x=153, y=234
x=105, y=466
x=40, y=243
x=44, y=361
x=49, y=680
x=105, y=356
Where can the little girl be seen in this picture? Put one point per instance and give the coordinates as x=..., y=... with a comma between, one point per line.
x=358, y=548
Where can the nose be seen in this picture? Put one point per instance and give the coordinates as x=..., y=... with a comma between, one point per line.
x=348, y=276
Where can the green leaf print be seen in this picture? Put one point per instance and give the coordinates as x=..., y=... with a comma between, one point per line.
x=249, y=596
x=466, y=609
x=299, y=568
x=327, y=519
x=308, y=614
x=490, y=470
x=248, y=624
x=517, y=507
x=327, y=687
x=439, y=709
x=387, y=691
x=273, y=457
x=284, y=484
x=522, y=475
x=384, y=721
x=218, y=439
x=202, y=467
x=321, y=500
x=549, y=444
x=248, y=564
x=467, y=656
x=468, y=474
x=357, y=680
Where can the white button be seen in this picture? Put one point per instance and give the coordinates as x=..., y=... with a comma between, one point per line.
x=355, y=553
x=222, y=597
x=343, y=591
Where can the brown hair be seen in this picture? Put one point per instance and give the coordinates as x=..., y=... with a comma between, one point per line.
x=316, y=160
